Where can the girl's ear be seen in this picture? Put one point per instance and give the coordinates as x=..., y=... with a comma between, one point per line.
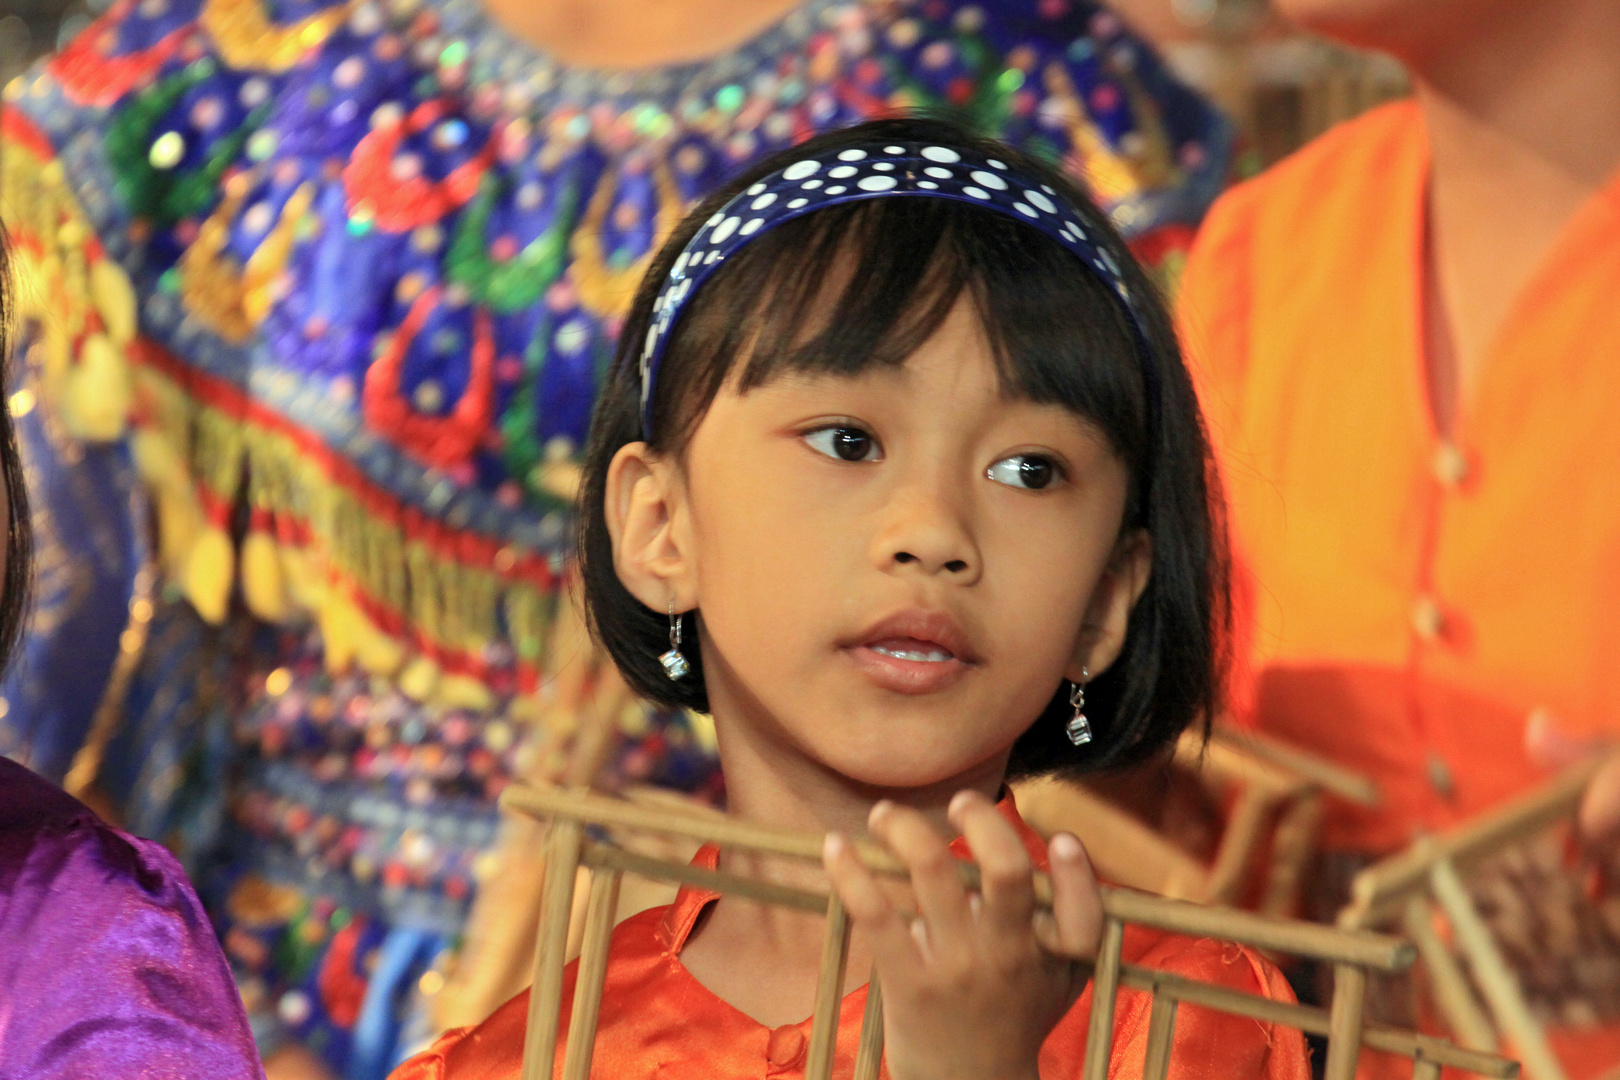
x=645, y=508
x=1108, y=616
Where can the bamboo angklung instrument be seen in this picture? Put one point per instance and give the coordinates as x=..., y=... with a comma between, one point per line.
x=1414, y=885
x=1352, y=953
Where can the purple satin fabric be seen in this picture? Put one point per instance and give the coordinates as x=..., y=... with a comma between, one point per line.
x=108, y=966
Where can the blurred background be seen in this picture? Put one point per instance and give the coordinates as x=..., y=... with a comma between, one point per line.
x=1281, y=86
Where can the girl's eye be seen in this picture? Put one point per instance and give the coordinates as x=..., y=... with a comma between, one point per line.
x=844, y=443
x=1024, y=471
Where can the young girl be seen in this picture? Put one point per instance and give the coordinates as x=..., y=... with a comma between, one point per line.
x=898, y=474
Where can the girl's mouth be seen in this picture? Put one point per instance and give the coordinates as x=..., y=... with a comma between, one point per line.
x=912, y=652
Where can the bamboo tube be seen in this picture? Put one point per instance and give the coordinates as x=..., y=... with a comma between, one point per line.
x=1104, y=991
x=1451, y=990
x=592, y=974
x=765, y=892
x=556, y=903
x=1122, y=849
x=869, y=1058
x=1496, y=981
x=1519, y=819
x=1281, y=935
x=829, y=992
x=1344, y=1022
x=1238, y=842
x=1424, y=1069
x=1377, y=951
x=1161, y=1038
x=1312, y=1020
x=1345, y=783
x=1228, y=761
x=1291, y=845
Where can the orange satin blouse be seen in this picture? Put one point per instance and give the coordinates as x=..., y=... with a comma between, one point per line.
x=657, y=1020
x=1409, y=605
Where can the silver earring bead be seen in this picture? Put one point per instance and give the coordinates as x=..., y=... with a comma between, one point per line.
x=676, y=666
x=1079, y=728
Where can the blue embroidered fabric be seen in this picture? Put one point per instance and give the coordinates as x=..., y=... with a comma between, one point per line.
x=388, y=234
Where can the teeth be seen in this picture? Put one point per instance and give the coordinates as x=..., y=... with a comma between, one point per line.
x=932, y=656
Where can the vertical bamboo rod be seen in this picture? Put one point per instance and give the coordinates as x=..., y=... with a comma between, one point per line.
x=1496, y=982
x=1451, y=990
x=869, y=1058
x=1424, y=1069
x=592, y=973
x=1161, y=1037
x=829, y=992
x=1104, y=987
x=556, y=904
x=1344, y=1022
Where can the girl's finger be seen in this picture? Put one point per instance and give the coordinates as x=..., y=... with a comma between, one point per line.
x=941, y=900
x=1006, y=874
x=1077, y=914
x=864, y=899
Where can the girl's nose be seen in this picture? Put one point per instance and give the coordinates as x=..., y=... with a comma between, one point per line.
x=926, y=529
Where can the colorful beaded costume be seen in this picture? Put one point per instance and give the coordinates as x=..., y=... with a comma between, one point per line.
x=339, y=280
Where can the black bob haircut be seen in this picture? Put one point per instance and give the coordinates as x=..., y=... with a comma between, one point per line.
x=892, y=268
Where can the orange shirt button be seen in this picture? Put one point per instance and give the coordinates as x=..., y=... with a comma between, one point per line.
x=785, y=1047
x=1450, y=464
x=1427, y=619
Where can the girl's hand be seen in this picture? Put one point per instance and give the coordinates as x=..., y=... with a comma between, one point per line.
x=973, y=985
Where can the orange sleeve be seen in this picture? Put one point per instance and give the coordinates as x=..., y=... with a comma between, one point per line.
x=1212, y=321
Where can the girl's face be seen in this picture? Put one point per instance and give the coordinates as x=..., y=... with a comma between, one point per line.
x=895, y=569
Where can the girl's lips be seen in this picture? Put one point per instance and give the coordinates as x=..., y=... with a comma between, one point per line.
x=907, y=666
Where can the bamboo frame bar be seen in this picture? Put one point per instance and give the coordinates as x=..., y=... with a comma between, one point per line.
x=1345, y=783
x=1161, y=1038
x=1451, y=990
x=829, y=992
x=1344, y=1022
x=592, y=974
x=1104, y=991
x=869, y=1055
x=1496, y=981
x=563, y=842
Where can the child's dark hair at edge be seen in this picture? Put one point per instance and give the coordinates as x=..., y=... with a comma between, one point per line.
x=892, y=269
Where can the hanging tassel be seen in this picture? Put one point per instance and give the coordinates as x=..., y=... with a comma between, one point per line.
x=420, y=679
x=210, y=568
x=264, y=586
x=96, y=392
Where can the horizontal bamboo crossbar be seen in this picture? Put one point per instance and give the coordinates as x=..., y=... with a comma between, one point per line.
x=1378, y=951
x=1312, y=1020
x=1345, y=783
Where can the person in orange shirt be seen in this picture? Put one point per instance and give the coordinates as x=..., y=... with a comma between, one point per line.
x=1405, y=338
x=900, y=476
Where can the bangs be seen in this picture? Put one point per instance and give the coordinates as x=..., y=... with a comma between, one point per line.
x=865, y=284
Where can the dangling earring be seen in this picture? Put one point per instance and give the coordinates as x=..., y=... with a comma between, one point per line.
x=1079, y=728
x=676, y=665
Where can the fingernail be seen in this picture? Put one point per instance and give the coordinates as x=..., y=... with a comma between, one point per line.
x=833, y=846
x=1065, y=847
x=879, y=808
x=959, y=801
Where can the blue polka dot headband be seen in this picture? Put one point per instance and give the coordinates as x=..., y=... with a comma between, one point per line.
x=878, y=171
